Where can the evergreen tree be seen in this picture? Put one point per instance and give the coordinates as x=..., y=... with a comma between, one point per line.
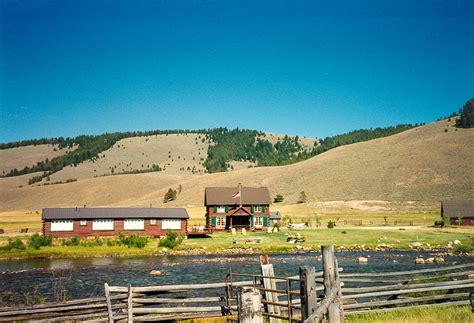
x=170, y=195
x=302, y=198
x=466, y=120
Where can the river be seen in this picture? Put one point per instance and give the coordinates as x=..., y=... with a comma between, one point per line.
x=85, y=277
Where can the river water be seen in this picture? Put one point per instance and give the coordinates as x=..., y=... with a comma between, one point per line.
x=85, y=277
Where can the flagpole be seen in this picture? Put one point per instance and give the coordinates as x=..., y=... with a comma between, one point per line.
x=240, y=195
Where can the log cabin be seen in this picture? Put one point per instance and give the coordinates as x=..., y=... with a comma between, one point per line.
x=85, y=222
x=234, y=207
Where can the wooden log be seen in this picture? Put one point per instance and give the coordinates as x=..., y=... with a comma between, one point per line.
x=322, y=309
x=399, y=280
x=109, y=303
x=334, y=314
x=52, y=309
x=409, y=272
x=307, y=291
x=384, y=310
x=408, y=291
x=401, y=287
x=250, y=306
x=156, y=318
x=130, y=305
x=172, y=310
x=159, y=300
x=405, y=301
x=148, y=289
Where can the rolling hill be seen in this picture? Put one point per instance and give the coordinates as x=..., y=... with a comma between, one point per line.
x=426, y=163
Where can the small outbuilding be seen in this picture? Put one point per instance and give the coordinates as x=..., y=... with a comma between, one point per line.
x=84, y=222
x=275, y=218
x=460, y=212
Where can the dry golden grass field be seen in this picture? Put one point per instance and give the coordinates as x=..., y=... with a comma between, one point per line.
x=406, y=173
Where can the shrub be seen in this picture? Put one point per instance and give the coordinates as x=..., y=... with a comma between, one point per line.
x=331, y=224
x=458, y=249
x=439, y=223
x=133, y=240
x=37, y=241
x=74, y=241
x=171, y=241
x=279, y=198
x=14, y=244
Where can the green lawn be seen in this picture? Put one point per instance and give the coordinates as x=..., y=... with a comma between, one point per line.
x=347, y=237
x=270, y=242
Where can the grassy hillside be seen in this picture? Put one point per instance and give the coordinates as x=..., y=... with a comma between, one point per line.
x=422, y=164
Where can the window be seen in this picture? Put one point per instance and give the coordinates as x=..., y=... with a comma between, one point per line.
x=152, y=221
x=83, y=223
x=102, y=225
x=221, y=222
x=257, y=208
x=171, y=224
x=258, y=221
x=134, y=224
x=220, y=209
x=62, y=225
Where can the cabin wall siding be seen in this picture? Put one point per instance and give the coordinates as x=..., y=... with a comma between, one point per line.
x=86, y=231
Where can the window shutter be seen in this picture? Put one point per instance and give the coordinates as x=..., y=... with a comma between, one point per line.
x=215, y=209
x=252, y=209
x=226, y=209
x=263, y=208
x=265, y=221
x=251, y=220
x=214, y=221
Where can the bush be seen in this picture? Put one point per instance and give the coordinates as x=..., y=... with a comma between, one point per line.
x=74, y=241
x=97, y=242
x=331, y=224
x=458, y=249
x=14, y=244
x=171, y=241
x=439, y=223
x=279, y=198
x=37, y=241
x=133, y=241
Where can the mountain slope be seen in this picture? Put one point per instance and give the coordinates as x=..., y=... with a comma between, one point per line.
x=424, y=163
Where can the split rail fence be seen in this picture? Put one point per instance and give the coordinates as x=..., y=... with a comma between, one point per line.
x=311, y=296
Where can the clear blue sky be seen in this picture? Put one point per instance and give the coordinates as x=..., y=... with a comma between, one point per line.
x=309, y=68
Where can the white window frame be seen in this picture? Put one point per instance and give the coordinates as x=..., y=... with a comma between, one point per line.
x=220, y=221
x=103, y=225
x=152, y=221
x=171, y=224
x=83, y=222
x=221, y=209
x=257, y=208
x=258, y=221
x=134, y=224
x=62, y=225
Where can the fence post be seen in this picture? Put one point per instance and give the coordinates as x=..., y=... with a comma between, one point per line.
x=250, y=305
x=109, y=303
x=269, y=283
x=307, y=291
x=130, y=305
x=331, y=279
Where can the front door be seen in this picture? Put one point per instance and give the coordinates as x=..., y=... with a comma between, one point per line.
x=241, y=221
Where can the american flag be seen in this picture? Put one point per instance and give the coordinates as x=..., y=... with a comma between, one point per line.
x=236, y=195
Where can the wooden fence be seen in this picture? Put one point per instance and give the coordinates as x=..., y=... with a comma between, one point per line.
x=311, y=296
